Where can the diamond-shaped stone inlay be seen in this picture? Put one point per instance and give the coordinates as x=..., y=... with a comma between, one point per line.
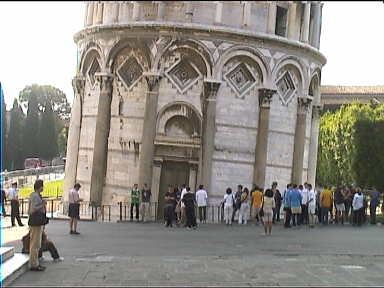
x=241, y=79
x=129, y=72
x=286, y=87
x=94, y=68
x=183, y=75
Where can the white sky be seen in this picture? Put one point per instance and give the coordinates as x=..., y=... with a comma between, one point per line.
x=37, y=44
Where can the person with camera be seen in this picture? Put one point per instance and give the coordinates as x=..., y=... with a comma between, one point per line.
x=37, y=219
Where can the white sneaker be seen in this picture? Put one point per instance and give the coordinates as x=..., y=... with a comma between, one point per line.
x=60, y=259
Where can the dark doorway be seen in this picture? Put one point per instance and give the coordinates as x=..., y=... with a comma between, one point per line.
x=172, y=173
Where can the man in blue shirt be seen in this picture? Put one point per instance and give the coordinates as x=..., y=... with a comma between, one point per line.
x=287, y=206
x=295, y=203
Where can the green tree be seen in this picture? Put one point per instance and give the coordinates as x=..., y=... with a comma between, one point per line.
x=44, y=93
x=62, y=141
x=15, y=145
x=31, y=129
x=4, y=140
x=47, y=134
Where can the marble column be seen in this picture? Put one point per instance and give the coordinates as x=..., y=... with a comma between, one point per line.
x=161, y=10
x=155, y=186
x=314, y=143
x=189, y=11
x=219, y=12
x=211, y=86
x=115, y=12
x=100, y=149
x=261, y=149
x=316, y=24
x=192, y=176
x=299, y=145
x=86, y=14
x=136, y=11
x=90, y=14
x=305, y=27
x=149, y=128
x=272, y=9
x=292, y=20
x=73, y=142
x=95, y=7
x=99, y=16
x=123, y=13
x=247, y=13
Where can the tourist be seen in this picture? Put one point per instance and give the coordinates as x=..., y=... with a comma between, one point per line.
x=135, y=201
x=278, y=199
x=304, y=203
x=295, y=203
x=373, y=204
x=201, y=199
x=228, y=203
x=358, y=206
x=257, y=202
x=237, y=201
x=145, y=203
x=74, y=208
x=318, y=205
x=46, y=245
x=339, y=204
x=169, y=209
x=268, y=205
x=311, y=206
x=287, y=206
x=347, y=202
x=3, y=199
x=365, y=207
x=36, y=208
x=189, y=201
x=183, y=211
x=244, y=207
x=178, y=205
x=325, y=204
x=13, y=196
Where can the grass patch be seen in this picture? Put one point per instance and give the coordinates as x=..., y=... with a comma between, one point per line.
x=52, y=189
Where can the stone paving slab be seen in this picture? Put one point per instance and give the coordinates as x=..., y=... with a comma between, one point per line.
x=136, y=254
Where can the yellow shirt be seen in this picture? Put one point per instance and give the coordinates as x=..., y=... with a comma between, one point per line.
x=257, y=198
x=326, y=198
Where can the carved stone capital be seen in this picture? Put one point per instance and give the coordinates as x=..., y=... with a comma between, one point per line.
x=152, y=79
x=211, y=86
x=316, y=111
x=303, y=104
x=78, y=84
x=104, y=80
x=157, y=162
x=265, y=97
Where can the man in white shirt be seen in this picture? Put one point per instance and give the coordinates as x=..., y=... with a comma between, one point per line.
x=182, y=205
x=304, y=203
x=311, y=205
x=201, y=199
x=14, y=197
x=74, y=208
x=358, y=207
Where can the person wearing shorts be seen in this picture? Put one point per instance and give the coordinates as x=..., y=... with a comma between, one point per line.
x=74, y=208
x=268, y=206
x=339, y=204
x=295, y=199
x=311, y=206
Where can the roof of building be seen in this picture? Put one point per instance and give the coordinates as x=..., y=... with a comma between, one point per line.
x=329, y=89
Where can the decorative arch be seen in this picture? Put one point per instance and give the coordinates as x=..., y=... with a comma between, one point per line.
x=91, y=51
x=198, y=49
x=241, y=50
x=314, y=86
x=288, y=77
x=179, y=109
x=123, y=43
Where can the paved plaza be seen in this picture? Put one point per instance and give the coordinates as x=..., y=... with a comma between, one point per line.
x=129, y=254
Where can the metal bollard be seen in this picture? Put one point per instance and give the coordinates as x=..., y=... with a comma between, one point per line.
x=52, y=208
x=22, y=207
x=121, y=211
x=109, y=213
x=102, y=213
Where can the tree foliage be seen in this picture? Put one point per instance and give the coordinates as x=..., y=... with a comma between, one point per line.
x=31, y=129
x=15, y=144
x=47, y=134
x=349, y=145
x=62, y=141
x=47, y=94
x=4, y=140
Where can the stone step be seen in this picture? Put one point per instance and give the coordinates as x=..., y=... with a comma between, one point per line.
x=13, y=268
x=6, y=253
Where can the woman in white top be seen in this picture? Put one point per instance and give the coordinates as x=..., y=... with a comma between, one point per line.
x=268, y=205
x=244, y=208
x=358, y=207
x=228, y=202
